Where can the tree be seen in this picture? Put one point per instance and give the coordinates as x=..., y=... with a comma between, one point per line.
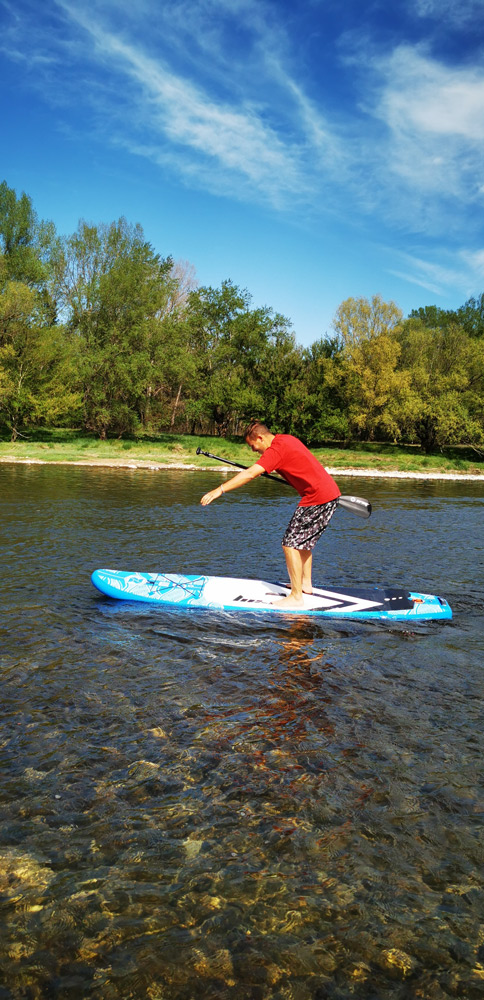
x=321, y=413
x=27, y=244
x=36, y=363
x=114, y=289
x=470, y=316
x=446, y=371
x=358, y=320
x=433, y=317
x=367, y=378
x=230, y=343
x=182, y=283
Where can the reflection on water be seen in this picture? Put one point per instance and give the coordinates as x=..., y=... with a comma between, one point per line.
x=209, y=805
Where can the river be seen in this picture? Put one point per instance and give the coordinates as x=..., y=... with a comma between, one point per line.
x=197, y=805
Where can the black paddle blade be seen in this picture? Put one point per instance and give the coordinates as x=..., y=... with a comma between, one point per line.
x=356, y=505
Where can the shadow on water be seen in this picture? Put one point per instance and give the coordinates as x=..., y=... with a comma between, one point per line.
x=212, y=805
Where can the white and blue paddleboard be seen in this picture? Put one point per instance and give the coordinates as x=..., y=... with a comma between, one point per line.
x=217, y=593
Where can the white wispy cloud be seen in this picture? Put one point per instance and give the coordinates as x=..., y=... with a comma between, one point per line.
x=424, y=97
x=215, y=92
x=474, y=259
x=463, y=271
x=239, y=142
x=459, y=13
x=414, y=279
x=236, y=137
x=427, y=159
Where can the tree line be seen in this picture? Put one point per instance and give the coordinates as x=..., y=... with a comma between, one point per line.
x=99, y=332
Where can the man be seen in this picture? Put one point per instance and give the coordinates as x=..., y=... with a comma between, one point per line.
x=318, y=491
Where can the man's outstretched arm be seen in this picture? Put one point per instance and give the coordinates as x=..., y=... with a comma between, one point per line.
x=233, y=484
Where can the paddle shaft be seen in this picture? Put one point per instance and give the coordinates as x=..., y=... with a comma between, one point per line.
x=237, y=465
x=356, y=505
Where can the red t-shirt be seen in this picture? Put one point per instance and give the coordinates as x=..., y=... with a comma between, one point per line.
x=290, y=457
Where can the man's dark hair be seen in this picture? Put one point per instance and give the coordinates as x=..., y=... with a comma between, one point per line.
x=256, y=427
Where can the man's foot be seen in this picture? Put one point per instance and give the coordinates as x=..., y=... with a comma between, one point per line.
x=306, y=590
x=289, y=602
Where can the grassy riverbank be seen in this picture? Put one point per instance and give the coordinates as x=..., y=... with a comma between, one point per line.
x=177, y=449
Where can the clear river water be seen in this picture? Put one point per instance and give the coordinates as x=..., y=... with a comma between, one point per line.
x=201, y=805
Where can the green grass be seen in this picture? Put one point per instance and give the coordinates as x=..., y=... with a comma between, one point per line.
x=61, y=445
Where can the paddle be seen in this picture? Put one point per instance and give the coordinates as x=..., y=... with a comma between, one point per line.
x=237, y=465
x=356, y=505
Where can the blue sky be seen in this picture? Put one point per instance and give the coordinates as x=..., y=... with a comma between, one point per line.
x=309, y=152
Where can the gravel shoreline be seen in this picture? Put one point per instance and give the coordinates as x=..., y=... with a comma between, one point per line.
x=114, y=463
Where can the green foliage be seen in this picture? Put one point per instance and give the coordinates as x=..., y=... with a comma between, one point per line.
x=27, y=245
x=361, y=320
x=233, y=347
x=365, y=375
x=432, y=317
x=446, y=371
x=37, y=369
x=98, y=329
x=470, y=316
x=114, y=290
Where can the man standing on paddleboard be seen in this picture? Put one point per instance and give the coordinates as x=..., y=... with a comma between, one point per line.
x=318, y=491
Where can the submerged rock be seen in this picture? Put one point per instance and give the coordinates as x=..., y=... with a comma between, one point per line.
x=142, y=770
x=394, y=958
x=22, y=873
x=216, y=966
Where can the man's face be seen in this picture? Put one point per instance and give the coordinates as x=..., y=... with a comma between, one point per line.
x=257, y=444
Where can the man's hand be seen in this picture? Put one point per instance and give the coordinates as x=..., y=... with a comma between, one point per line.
x=213, y=495
x=239, y=480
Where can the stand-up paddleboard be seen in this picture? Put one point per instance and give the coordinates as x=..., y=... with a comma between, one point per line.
x=219, y=593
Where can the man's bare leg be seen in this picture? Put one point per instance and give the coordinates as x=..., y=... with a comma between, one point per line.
x=307, y=561
x=298, y=562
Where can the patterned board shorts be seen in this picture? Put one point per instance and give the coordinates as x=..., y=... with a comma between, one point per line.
x=307, y=525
